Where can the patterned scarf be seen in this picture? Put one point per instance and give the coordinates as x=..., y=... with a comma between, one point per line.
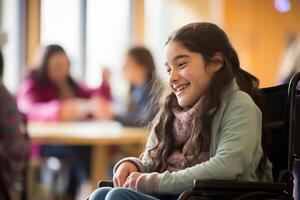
x=182, y=132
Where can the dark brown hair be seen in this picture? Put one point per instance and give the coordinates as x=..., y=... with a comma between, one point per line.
x=41, y=73
x=206, y=39
x=144, y=58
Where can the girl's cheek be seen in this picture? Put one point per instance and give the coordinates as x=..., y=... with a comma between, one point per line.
x=203, y=83
x=186, y=74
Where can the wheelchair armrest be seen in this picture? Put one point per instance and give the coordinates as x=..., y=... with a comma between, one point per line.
x=232, y=185
x=105, y=184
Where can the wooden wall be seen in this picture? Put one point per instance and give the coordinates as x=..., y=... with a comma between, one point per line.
x=259, y=33
x=32, y=30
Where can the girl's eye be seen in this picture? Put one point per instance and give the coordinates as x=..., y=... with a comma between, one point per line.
x=182, y=65
x=169, y=70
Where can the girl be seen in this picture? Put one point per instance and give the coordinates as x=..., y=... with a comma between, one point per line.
x=209, y=126
x=139, y=71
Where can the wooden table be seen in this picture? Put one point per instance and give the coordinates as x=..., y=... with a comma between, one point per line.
x=99, y=135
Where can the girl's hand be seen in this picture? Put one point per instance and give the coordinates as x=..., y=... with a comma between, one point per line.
x=123, y=171
x=131, y=180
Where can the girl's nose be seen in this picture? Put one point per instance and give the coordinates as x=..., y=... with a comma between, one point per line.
x=173, y=76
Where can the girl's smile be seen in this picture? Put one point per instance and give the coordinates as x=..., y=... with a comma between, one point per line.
x=188, y=77
x=179, y=89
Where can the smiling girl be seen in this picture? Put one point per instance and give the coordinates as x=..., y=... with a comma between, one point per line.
x=209, y=126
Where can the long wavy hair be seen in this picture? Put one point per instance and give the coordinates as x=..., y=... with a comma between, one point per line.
x=206, y=39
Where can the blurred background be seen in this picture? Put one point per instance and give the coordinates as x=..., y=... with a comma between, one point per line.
x=96, y=33
x=105, y=43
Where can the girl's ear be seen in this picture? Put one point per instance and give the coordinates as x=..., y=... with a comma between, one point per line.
x=216, y=63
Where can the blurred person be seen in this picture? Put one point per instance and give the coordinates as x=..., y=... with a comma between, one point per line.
x=13, y=145
x=49, y=93
x=139, y=71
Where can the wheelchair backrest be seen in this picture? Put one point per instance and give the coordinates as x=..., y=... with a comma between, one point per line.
x=275, y=117
x=297, y=134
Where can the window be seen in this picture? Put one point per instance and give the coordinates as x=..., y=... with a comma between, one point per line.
x=13, y=25
x=156, y=30
x=60, y=24
x=94, y=33
x=108, y=35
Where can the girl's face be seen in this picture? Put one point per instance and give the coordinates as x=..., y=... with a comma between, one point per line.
x=189, y=77
x=133, y=72
x=58, y=67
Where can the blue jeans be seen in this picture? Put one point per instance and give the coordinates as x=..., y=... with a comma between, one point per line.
x=108, y=193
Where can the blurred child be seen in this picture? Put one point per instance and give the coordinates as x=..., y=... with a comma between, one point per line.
x=49, y=93
x=139, y=71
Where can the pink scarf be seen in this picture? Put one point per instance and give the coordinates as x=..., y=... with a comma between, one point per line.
x=181, y=134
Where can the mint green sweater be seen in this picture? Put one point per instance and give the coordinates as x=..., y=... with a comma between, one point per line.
x=235, y=150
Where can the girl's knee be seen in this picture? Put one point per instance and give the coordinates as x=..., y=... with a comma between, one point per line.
x=119, y=193
x=100, y=193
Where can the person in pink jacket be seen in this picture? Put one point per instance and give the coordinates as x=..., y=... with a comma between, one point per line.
x=50, y=94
